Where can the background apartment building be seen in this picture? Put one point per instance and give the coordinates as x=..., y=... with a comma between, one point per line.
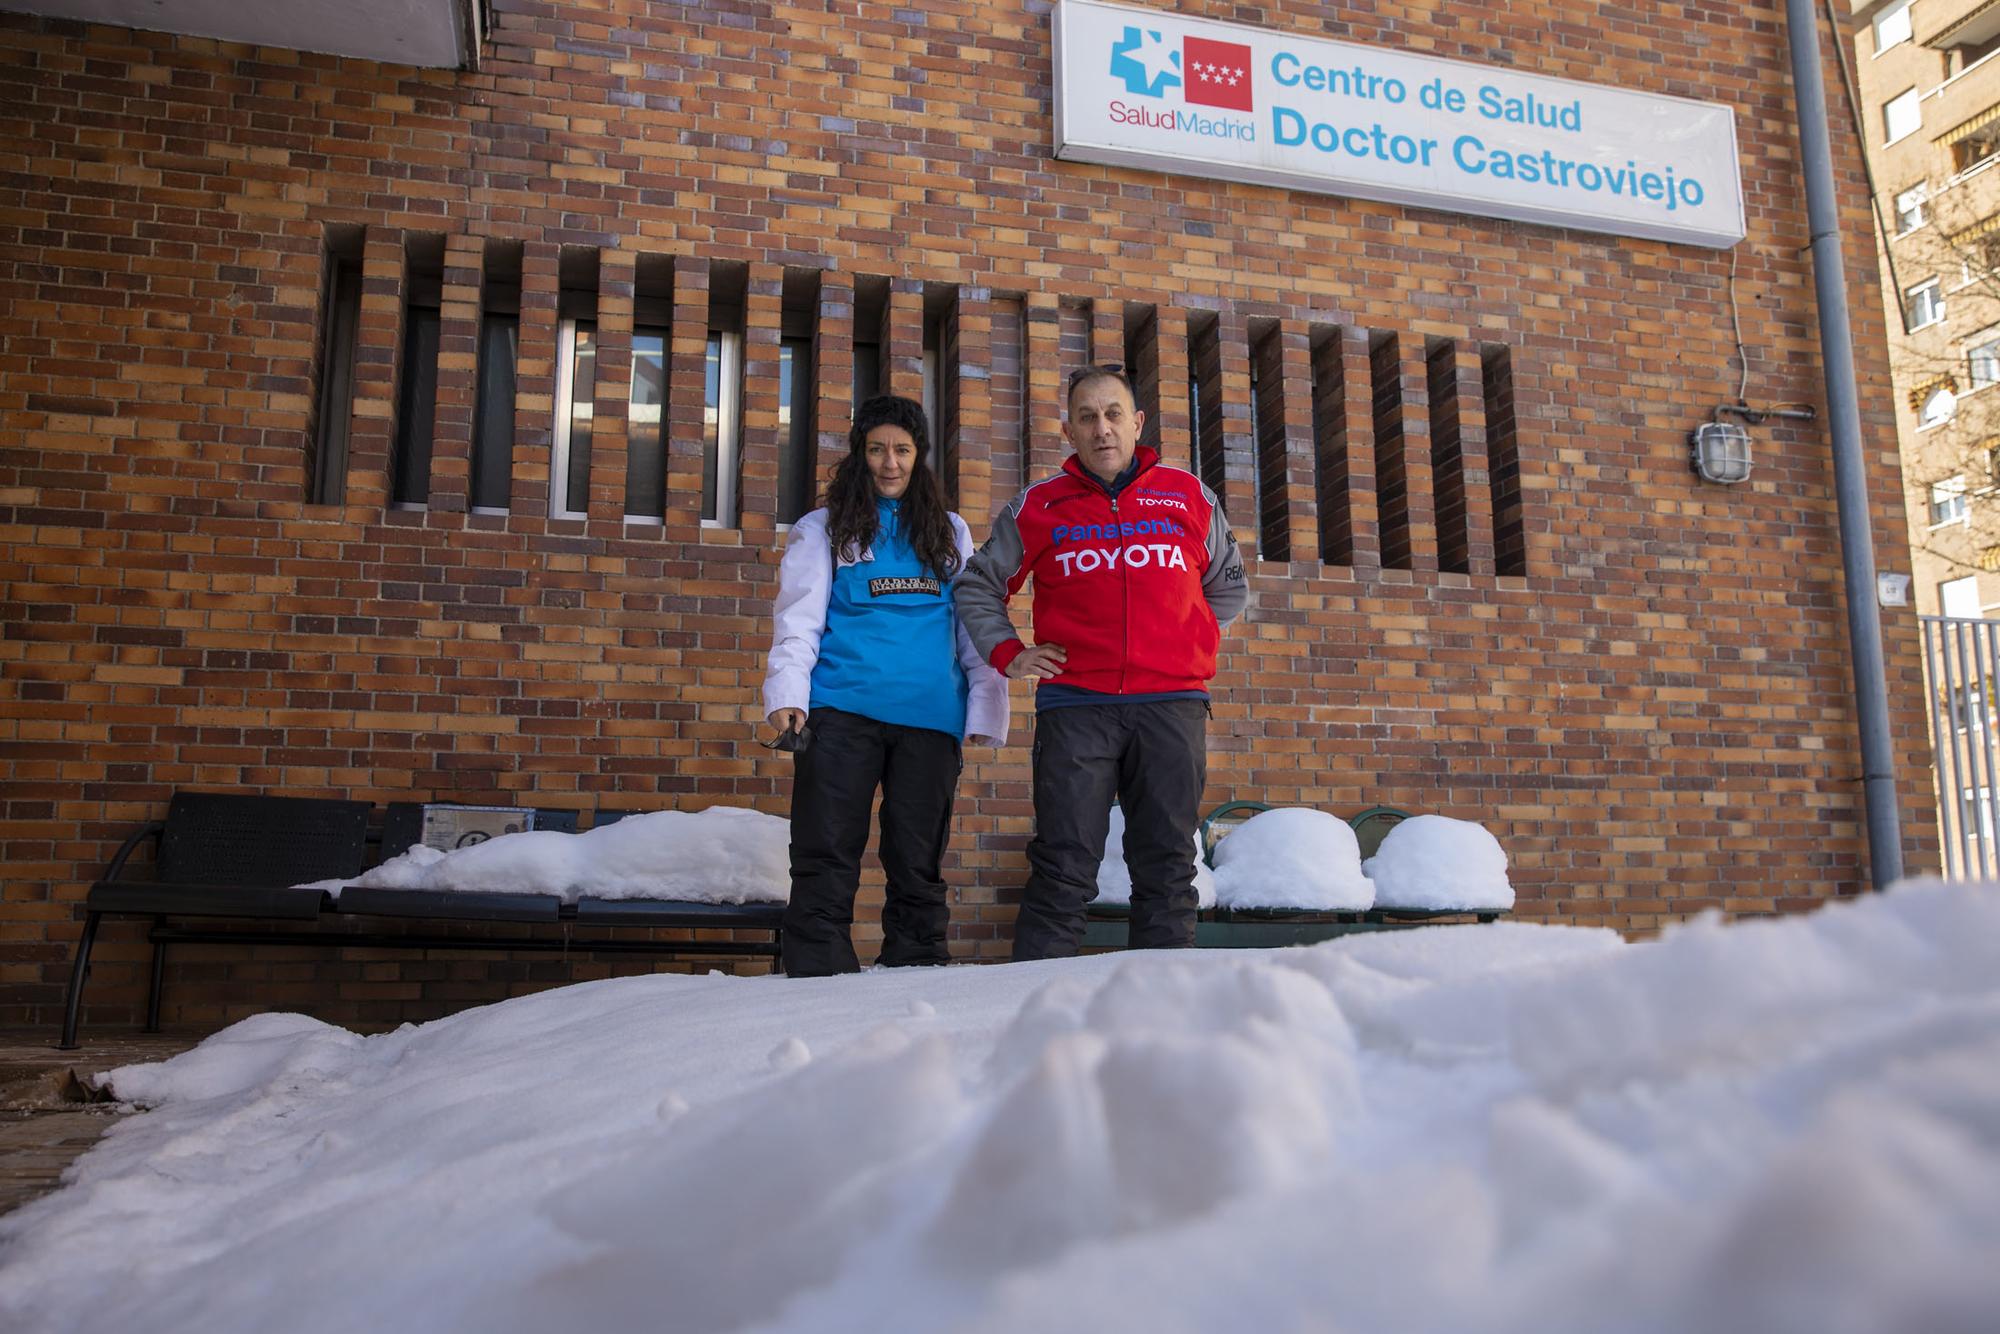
x=1929, y=92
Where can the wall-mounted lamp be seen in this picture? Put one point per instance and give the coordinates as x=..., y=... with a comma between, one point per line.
x=1719, y=451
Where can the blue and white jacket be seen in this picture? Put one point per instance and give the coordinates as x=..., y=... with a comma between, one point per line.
x=878, y=636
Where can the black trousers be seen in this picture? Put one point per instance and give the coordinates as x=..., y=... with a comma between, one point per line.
x=1152, y=758
x=833, y=784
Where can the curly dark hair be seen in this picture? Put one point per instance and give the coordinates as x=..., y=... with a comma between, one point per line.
x=850, y=495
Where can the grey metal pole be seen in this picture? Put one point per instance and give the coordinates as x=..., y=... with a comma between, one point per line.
x=1850, y=481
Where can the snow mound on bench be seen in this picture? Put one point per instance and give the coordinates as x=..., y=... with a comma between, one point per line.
x=1114, y=877
x=1292, y=857
x=1440, y=864
x=725, y=854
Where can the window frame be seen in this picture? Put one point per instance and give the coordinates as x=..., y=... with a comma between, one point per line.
x=1889, y=15
x=1910, y=296
x=722, y=443
x=665, y=335
x=1922, y=190
x=561, y=440
x=489, y=390
x=1990, y=344
x=1910, y=97
x=1944, y=495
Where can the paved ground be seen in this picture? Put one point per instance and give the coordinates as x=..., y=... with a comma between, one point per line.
x=46, y=1118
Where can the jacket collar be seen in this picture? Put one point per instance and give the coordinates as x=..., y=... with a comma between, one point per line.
x=1143, y=460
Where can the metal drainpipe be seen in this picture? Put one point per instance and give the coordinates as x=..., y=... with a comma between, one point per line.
x=1850, y=482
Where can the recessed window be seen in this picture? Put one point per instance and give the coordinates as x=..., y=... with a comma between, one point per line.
x=1960, y=597
x=645, y=426
x=1947, y=501
x=1938, y=406
x=576, y=404
x=333, y=404
x=796, y=465
x=1901, y=115
x=1892, y=26
x=493, y=411
x=1913, y=207
x=722, y=427
x=1923, y=304
x=417, y=376
x=1982, y=363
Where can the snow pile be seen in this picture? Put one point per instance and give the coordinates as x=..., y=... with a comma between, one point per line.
x=725, y=854
x=1509, y=1129
x=1292, y=857
x=1435, y=862
x=1114, y=877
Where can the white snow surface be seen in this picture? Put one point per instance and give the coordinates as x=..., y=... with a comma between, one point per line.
x=1780, y=1125
x=1114, y=877
x=1292, y=857
x=725, y=854
x=1434, y=861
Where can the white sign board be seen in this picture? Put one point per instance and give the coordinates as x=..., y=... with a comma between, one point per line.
x=1142, y=88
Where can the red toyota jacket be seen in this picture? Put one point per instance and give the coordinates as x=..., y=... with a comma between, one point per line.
x=1136, y=587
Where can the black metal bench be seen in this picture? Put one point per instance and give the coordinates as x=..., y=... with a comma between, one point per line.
x=229, y=856
x=1105, y=926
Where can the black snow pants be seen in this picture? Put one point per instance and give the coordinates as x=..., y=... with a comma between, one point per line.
x=833, y=783
x=1152, y=758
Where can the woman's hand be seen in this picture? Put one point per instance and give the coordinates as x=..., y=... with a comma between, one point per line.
x=787, y=720
x=1037, y=663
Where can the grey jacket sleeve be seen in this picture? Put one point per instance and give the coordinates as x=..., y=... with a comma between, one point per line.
x=1223, y=584
x=988, y=580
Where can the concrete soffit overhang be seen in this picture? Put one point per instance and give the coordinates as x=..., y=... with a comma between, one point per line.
x=1975, y=27
x=435, y=34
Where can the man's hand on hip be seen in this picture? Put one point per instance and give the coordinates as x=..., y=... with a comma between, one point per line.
x=1038, y=663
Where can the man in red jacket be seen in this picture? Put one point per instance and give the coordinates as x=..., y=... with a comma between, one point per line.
x=1136, y=573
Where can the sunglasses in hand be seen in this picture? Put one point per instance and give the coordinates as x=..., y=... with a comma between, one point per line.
x=792, y=739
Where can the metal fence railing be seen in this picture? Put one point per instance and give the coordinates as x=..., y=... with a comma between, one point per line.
x=1962, y=668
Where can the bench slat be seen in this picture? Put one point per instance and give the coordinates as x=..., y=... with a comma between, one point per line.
x=660, y=912
x=473, y=906
x=147, y=896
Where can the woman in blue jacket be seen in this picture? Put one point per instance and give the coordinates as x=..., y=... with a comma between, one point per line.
x=870, y=668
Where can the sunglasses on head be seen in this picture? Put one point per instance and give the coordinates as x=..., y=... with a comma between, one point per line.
x=1082, y=373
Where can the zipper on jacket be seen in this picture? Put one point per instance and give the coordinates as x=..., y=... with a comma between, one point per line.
x=1125, y=589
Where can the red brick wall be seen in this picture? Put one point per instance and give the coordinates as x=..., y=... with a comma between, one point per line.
x=1655, y=718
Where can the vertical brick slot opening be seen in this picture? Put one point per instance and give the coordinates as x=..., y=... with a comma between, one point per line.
x=941, y=383
x=417, y=375
x=333, y=390
x=1330, y=443
x=871, y=320
x=798, y=402
x=1205, y=398
x=1503, y=460
x=722, y=396
x=1142, y=366
x=1267, y=420
x=1447, y=456
x=499, y=363
x=648, y=406
x=1392, y=481
x=576, y=381
x=1010, y=398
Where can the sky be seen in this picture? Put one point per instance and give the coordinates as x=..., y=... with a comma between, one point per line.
x=1772, y=1125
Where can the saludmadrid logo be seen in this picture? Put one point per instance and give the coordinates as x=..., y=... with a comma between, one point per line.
x=1199, y=72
